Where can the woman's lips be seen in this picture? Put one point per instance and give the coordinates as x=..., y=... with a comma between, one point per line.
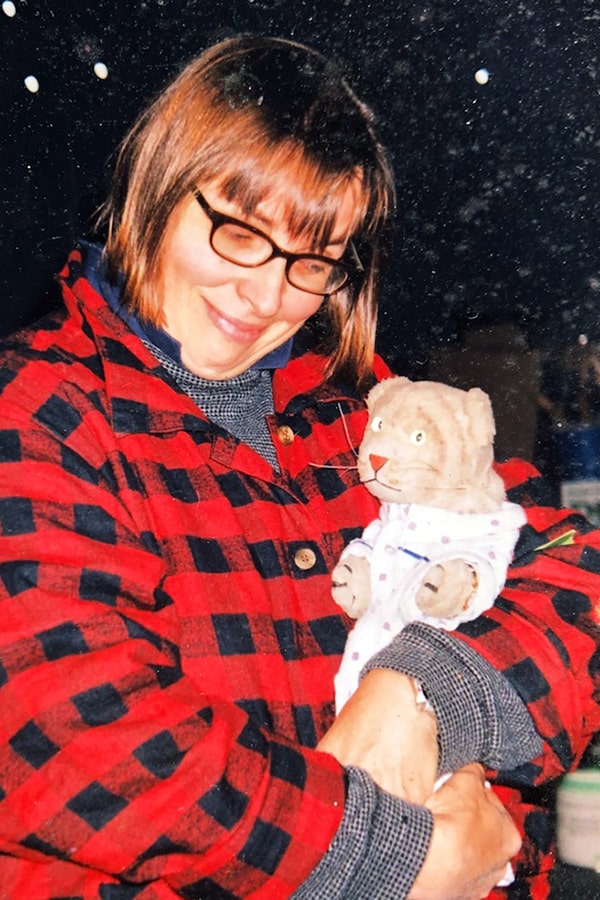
x=234, y=329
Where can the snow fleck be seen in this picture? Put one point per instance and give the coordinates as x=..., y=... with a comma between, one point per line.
x=32, y=84
x=101, y=70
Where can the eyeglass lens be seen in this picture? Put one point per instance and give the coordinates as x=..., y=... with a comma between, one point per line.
x=246, y=248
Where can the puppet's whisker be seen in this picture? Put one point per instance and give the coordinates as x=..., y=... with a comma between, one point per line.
x=327, y=466
x=392, y=487
x=345, y=427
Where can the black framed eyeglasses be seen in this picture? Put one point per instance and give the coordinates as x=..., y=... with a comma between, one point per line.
x=243, y=244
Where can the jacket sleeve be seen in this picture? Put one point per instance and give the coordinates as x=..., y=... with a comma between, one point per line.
x=114, y=766
x=543, y=634
x=525, y=674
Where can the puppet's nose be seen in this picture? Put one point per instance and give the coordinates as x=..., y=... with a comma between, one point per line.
x=377, y=461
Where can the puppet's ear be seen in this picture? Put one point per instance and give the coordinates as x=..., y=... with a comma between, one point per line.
x=479, y=408
x=388, y=384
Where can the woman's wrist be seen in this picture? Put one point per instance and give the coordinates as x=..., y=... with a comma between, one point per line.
x=384, y=729
x=479, y=715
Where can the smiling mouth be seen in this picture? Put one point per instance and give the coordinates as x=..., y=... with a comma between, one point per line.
x=378, y=476
x=378, y=471
x=234, y=329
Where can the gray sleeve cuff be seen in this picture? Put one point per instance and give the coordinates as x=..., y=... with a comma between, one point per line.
x=480, y=716
x=377, y=851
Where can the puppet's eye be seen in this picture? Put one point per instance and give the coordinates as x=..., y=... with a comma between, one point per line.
x=377, y=424
x=418, y=437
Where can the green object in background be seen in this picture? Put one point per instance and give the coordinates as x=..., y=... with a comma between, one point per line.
x=578, y=819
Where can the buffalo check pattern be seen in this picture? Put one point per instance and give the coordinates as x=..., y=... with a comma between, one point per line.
x=166, y=653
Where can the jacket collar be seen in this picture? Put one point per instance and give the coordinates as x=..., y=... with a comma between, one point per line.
x=95, y=271
x=143, y=397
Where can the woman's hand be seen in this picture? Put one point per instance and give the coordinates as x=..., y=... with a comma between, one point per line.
x=382, y=729
x=473, y=840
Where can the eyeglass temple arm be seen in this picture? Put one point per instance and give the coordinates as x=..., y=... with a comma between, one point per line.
x=355, y=257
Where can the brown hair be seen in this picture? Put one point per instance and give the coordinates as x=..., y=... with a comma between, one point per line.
x=261, y=116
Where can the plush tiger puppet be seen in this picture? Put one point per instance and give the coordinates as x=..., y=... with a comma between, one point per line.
x=440, y=548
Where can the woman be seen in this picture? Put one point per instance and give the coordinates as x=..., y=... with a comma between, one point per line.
x=177, y=484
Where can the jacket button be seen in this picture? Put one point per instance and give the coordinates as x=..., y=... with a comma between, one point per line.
x=285, y=435
x=305, y=558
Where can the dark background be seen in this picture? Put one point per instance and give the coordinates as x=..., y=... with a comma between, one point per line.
x=498, y=184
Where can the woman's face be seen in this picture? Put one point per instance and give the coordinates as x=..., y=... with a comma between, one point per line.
x=225, y=316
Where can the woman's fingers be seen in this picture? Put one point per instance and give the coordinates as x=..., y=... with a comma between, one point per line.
x=473, y=840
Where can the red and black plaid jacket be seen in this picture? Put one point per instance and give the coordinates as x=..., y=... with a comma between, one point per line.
x=168, y=641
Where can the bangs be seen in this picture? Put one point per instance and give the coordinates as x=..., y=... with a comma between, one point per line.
x=310, y=197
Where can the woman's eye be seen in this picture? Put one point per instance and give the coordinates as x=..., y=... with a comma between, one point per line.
x=418, y=437
x=237, y=235
x=377, y=424
x=310, y=267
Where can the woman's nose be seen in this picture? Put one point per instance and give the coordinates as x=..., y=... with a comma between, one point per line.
x=264, y=286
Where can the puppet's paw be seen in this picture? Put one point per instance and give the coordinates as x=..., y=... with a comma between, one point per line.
x=447, y=589
x=350, y=585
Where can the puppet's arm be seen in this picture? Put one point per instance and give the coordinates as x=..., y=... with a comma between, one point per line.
x=351, y=578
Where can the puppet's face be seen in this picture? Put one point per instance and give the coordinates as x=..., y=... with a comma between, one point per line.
x=431, y=444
